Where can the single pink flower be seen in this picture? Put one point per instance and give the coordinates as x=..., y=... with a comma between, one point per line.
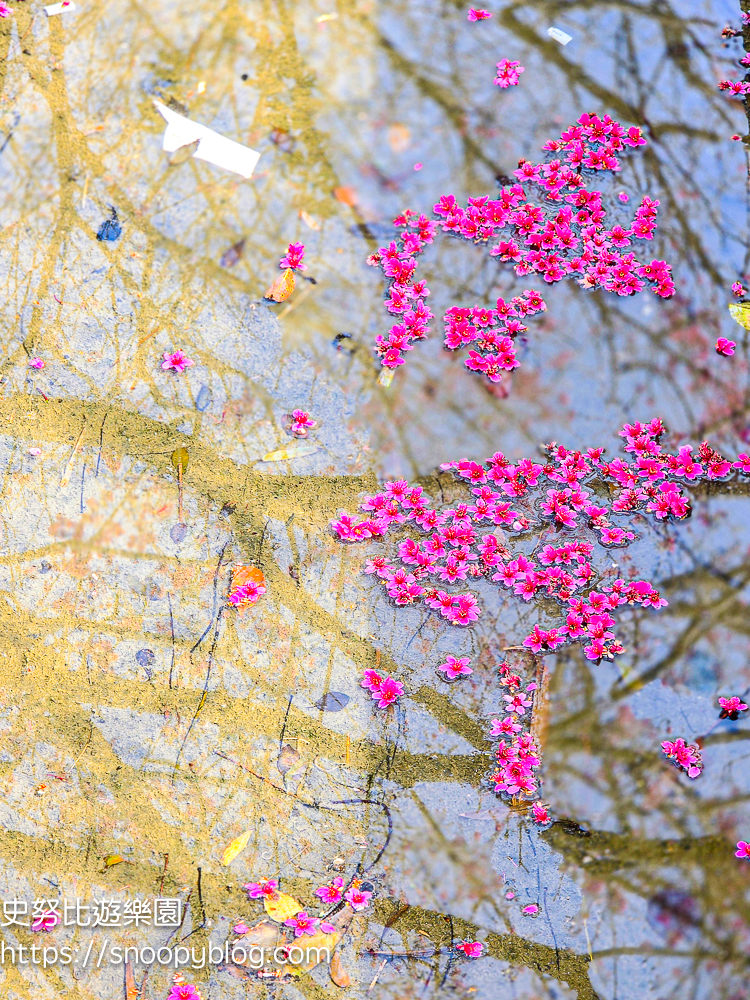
x=293, y=257
x=743, y=849
x=541, y=815
x=510, y=894
x=454, y=667
x=472, y=949
x=725, y=347
x=738, y=289
x=388, y=692
x=736, y=137
x=417, y=166
x=358, y=899
x=475, y=14
x=372, y=680
x=531, y=908
x=624, y=198
x=508, y=76
x=184, y=991
x=263, y=888
x=302, y=923
x=46, y=921
x=301, y=421
x=240, y=928
x=247, y=594
x=5, y=10
x=332, y=892
x=34, y=362
x=731, y=708
x=178, y=361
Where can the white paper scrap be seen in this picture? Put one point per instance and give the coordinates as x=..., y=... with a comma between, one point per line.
x=58, y=8
x=213, y=148
x=559, y=35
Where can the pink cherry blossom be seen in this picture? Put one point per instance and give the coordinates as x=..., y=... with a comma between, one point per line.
x=302, y=924
x=738, y=289
x=541, y=815
x=5, y=10
x=387, y=693
x=177, y=361
x=357, y=898
x=743, y=849
x=293, y=257
x=184, y=991
x=454, y=667
x=731, y=707
x=332, y=892
x=266, y=888
x=34, y=362
x=475, y=14
x=46, y=921
x=508, y=73
x=247, y=594
x=301, y=422
x=725, y=347
x=531, y=909
x=686, y=757
x=472, y=949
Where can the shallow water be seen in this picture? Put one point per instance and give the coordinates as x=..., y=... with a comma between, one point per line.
x=143, y=718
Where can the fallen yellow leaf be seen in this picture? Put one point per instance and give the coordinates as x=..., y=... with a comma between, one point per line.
x=740, y=313
x=338, y=973
x=233, y=849
x=308, y=220
x=282, y=288
x=281, y=908
x=295, y=450
x=113, y=859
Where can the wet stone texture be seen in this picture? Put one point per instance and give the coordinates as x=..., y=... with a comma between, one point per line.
x=145, y=723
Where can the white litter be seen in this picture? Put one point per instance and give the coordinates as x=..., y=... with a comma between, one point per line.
x=58, y=8
x=212, y=147
x=559, y=35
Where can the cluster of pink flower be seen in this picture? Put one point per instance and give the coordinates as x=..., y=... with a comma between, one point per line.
x=685, y=756
x=737, y=88
x=399, y=262
x=293, y=257
x=496, y=353
x=300, y=422
x=508, y=73
x=383, y=690
x=518, y=756
x=553, y=240
x=456, y=548
x=330, y=894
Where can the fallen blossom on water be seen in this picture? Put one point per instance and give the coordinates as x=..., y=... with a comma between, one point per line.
x=685, y=756
x=547, y=238
x=332, y=892
x=624, y=198
x=475, y=14
x=743, y=849
x=35, y=451
x=454, y=667
x=301, y=422
x=505, y=727
x=508, y=73
x=472, y=949
x=5, y=11
x=541, y=815
x=35, y=362
x=388, y=692
x=531, y=908
x=735, y=136
x=293, y=257
x=738, y=289
x=357, y=898
x=184, y=991
x=302, y=924
x=417, y=166
x=247, y=594
x=736, y=88
x=731, y=708
x=177, y=361
x=725, y=347
x=46, y=921
x=240, y=928
x=265, y=888
x=510, y=894
x=450, y=546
